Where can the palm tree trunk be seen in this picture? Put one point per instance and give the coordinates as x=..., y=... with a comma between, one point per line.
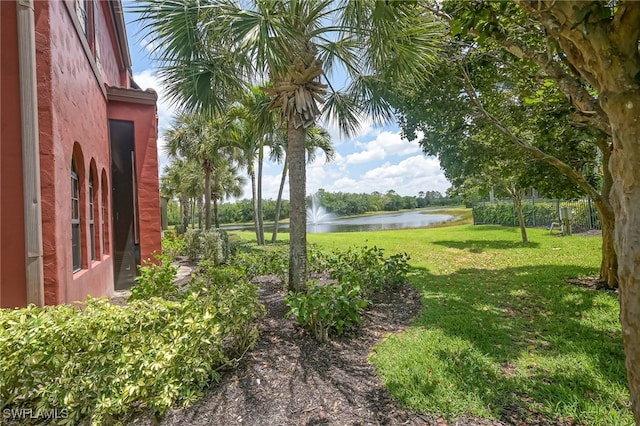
x=207, y=197
x=260, y=212
x=298, y=211
x=184, y=204
x=254, y=203
x=216, y=217
x=200, y=205
x=276, y=220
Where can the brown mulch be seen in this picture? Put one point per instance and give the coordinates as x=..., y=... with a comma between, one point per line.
x=290, y=379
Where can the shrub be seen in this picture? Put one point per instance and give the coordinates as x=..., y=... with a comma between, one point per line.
x=172, y=244
x=192, y=244
x=212, y=247
x=238, y=300
x=367, y=268
x=326, y=307
x=103, y=362
x=396, y=269
x=263, y=261
x=212, y=244
x=156, y=279
x=359, y=274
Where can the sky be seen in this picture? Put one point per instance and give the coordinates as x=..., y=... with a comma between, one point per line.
x=376, y=159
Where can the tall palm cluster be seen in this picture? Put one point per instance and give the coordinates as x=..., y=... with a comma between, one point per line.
x=212, y=50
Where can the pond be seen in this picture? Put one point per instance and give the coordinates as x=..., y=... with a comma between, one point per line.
x=377, y=222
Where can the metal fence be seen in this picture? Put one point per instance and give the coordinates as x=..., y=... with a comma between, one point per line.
x=537, y=213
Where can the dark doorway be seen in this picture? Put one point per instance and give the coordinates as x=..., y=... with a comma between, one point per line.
x=126, y=242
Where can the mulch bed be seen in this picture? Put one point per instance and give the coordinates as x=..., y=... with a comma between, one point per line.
x=290, y=379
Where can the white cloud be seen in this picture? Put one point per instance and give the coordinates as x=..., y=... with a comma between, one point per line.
x=384, y=145
x=408, y=177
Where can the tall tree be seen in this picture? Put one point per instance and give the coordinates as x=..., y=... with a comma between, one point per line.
x=294, y=44
x=225, y=183
x=257, y=127
x=184, y=180
x=206, y=140
x=499, y=105
x=600, y=40
x=591, y=49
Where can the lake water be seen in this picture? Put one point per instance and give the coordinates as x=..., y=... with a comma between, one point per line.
x=378, y=222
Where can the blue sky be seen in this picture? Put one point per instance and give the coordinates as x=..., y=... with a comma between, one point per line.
x=377, y=159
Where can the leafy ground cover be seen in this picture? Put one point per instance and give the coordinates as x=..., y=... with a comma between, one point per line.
x=500, y=330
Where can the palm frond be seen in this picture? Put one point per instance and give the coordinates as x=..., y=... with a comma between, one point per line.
x=342, y=110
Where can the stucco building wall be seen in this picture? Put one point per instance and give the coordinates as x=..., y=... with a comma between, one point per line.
x=73, y=77
x=12, y=248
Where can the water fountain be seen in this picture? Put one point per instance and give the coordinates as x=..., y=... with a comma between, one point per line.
x=316, y=213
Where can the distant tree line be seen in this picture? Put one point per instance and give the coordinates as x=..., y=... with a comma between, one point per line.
x=348, y=204
x=339, y=203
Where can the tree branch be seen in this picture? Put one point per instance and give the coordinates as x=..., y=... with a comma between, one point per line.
x=537, y=153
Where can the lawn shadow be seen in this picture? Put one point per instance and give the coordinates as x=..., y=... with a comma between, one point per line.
x=520, y=327
x=478, y=246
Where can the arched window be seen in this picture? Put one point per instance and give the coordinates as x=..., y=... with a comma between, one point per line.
x=92, y=229
x=76, y=246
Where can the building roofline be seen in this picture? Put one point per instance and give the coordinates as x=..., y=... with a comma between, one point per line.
x=121, y=32
x=134, y=96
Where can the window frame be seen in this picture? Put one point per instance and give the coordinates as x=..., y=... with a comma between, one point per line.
x=92, y=230
x=76, y=230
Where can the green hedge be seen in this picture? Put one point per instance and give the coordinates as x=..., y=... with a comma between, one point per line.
x=537, y=214
x=102, y=362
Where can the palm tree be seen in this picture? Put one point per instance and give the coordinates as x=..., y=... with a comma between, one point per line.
x=205, y=140
x=226, y=183
x=182, y=179
x=317, y=138
x=294, y=44
x=257, y=125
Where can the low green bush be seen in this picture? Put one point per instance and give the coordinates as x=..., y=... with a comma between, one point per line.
x=358, y=273
x=263, y=261
x=172, y=244
x=156, y=279
x=367, y=268
x=324, y=307
x=193, y=244
x=102, y=362
x=212, y=244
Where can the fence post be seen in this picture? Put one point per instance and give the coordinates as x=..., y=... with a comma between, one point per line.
x=590, y=214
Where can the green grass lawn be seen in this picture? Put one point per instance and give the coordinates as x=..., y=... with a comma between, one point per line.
x=500, y=328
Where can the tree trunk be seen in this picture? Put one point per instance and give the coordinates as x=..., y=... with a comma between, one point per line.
x=516, y=196
x=184, y=205
x=623, y=109
x=298, y=210
x=609, y=263
x=276, y=220
x=605, y=53
x=216, y=217
x=260, y=210
x=200, y=205
x=254, y=204
x=207, y=197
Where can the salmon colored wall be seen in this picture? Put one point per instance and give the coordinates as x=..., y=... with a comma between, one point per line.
x=72, y=112
x=145, y=125
x=13, y=291
x=109, y=57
